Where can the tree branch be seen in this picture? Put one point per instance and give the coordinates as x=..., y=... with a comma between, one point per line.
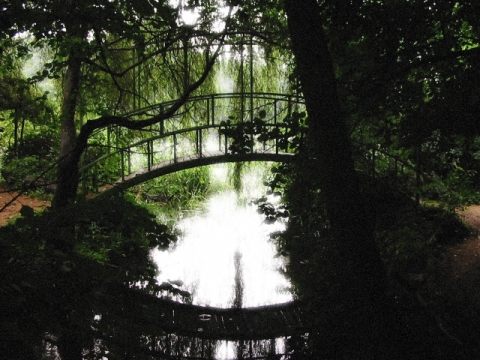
x=90, y=126
x=106, y=67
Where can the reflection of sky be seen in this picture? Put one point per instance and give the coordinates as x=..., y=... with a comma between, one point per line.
x=203, y=258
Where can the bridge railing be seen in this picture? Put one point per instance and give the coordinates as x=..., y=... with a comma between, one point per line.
x=198, y=130
x=185, y=144
x=210, y=110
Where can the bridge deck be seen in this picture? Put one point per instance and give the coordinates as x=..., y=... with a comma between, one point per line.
x=170, y=166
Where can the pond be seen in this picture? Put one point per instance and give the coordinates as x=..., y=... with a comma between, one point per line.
x=203, y=259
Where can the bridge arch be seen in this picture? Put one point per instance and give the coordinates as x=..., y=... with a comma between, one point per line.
x=164, y=169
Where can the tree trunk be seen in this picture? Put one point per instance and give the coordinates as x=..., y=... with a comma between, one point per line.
x=67, y=172
x=360, y=271
x=69, y=345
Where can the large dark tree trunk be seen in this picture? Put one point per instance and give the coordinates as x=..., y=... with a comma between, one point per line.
x=360, y=275
x=67, y=172
x=69, y=344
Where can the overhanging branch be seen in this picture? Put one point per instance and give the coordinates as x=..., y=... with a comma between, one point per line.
x=90, y=126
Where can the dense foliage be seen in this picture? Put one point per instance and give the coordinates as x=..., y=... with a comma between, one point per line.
x=177, y=191
x=60, y=271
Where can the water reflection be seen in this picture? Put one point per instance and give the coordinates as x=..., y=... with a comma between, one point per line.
x=203, y=258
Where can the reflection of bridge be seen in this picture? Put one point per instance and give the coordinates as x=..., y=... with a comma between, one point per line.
x=172, y=330
x=257, y=323
x=208, y=129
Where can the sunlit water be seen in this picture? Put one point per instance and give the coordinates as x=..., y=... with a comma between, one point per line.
x=203, y=257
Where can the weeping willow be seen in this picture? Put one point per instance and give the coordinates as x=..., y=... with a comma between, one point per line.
x=244, y=67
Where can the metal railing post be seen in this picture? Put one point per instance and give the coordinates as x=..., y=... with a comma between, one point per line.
x=226, y=145
x=242, y=84
x=149, y=157
x=174, y=148
x=197, y=150
x=129, y=159
x=152, y=154
x=200, y=142
x=213, y=110
x=275, y=112
x=208, y=111
x=122, y=165
x=161, y=124
x=219, y=140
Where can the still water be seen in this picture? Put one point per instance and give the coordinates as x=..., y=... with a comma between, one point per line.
x=203, y=258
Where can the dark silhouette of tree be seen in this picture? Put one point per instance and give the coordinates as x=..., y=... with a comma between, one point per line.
x=357, y=268
x=71, y=266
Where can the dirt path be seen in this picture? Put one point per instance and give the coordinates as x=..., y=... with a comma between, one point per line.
x=471, y=215
x=453, y=287
x=14, y=209
x=465, y=257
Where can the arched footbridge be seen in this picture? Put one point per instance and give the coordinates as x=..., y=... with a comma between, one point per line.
x=208, y=129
